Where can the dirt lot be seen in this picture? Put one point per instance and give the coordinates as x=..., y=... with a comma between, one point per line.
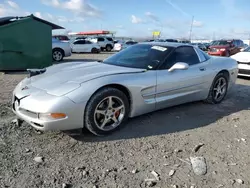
x=162, y=142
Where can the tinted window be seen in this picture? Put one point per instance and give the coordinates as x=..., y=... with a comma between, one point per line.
x=88, y=42
x=129, y=42
x=221, y=42
x=241, y=43
x=100, y=39
x=80, y=42
x=109, y=39
x=144, y=56
x=184, y=54
x=202, y=55
x=236, y=43
x=80, y=37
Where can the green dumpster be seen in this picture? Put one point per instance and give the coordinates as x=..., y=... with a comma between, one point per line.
x=25, y=42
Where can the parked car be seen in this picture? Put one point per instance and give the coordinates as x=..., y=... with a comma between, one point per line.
x=79, y=46
x=243, y=59
x=225, y=47
x=159, y=40
x=184, y=41
x=120, y=45
x=200, y=45
x=82, y=37
x=171, y=40
x=60, y=49
x=140, y=79
x=106, y=43
x=245, y=46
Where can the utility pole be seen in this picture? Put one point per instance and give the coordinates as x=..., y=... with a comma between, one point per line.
x=191, y=27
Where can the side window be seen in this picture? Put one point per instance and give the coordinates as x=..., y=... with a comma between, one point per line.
x=77, y=42
x=235, y=43
x=101, y=39
x=241, y=43
x=129, y=42
x=109, y=39
x=88, y=42
x=82, y=42
x=184, y=54
x=201, y=55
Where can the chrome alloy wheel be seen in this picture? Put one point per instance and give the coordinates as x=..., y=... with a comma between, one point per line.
x=109, y=113
x=220, y=89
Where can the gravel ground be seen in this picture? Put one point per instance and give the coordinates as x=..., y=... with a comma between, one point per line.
x=162, y=142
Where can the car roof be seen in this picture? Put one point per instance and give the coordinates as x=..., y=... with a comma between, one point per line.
x=167, y=44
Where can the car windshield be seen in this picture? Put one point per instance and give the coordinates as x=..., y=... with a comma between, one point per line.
x=247, y=49
x=141, y=56
x=221, y=42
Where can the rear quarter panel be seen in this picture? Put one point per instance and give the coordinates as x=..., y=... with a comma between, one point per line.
x=225, y=63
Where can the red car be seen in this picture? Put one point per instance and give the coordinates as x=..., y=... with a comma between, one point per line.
x=225, y=47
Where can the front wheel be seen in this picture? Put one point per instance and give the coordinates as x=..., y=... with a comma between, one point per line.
x=106, y=111
x=218, y=90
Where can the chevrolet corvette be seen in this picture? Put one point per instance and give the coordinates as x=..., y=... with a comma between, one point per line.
x=102, y=95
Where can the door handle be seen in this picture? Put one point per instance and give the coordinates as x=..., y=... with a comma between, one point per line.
x=202, y=68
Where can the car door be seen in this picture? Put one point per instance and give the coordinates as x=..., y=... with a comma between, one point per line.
x=181, y=86
x=82, y=46
x=88, y=46
x=76, y=46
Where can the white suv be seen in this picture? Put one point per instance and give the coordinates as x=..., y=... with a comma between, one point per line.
x=106, y=43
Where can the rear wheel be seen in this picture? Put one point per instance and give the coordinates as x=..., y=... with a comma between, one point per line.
x=108, y=48
x=106, y=111
x=218, y=90
x=93, y=50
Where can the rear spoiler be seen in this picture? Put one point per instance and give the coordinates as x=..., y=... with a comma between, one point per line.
x=34, y=72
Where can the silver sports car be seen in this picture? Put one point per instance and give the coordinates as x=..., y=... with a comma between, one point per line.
x=101, y=96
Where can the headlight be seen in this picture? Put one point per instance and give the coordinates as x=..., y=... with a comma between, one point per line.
x=51, y=116
x=222, y=49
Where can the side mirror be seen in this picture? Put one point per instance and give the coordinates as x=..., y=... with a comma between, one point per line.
x=179, y=66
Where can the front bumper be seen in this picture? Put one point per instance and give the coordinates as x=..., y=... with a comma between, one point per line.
x=67, y=52
x=219, y=53
x=244, y=70
x=28, y=105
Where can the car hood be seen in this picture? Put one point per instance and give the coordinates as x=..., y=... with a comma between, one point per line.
x=69, y=76
x=243, y=57
x=220, y=46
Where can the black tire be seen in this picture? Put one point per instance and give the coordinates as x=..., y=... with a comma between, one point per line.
x=89, y=117
x=93, y=50
x=108, y=48
x=57, y=54
x=211, y=96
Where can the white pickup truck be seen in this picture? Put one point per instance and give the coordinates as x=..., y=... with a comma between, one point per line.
x=60, y=49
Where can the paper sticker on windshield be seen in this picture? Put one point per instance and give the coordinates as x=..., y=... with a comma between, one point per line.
x=160, y=48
